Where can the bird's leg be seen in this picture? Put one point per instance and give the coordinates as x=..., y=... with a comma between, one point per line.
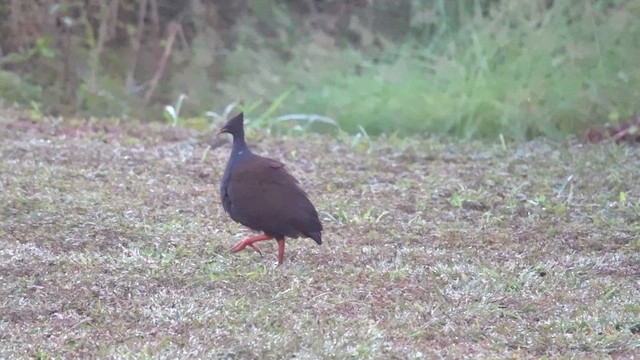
x=249, y=242
x=280, y=251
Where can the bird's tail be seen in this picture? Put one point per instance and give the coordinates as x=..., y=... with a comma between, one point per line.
x=316, y=236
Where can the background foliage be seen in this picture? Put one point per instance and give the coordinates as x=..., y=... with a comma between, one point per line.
x=470, y=68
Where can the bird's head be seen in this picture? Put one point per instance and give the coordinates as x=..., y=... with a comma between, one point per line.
x=234, y=126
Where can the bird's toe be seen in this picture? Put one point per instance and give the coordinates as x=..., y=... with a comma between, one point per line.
x=243, y=244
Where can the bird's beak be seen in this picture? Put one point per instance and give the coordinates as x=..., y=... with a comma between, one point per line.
x=222, y=130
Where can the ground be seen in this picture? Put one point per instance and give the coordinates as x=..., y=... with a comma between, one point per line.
x=113, y=243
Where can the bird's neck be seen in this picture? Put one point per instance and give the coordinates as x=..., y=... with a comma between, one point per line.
x=239, y=146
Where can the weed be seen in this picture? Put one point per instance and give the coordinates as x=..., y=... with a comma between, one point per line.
x=172, y=112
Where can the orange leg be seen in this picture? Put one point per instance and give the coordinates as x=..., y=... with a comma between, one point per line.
x=249, y=242
x=280, y=251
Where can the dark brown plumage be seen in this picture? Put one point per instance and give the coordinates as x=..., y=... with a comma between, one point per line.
x=260, y=194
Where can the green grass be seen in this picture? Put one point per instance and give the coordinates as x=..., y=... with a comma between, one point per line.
x=473, y=69
x=521, y=71
x=113, y=244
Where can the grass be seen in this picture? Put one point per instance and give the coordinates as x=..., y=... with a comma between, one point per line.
x=473, y=69
x=521, y=70
x=113, y=244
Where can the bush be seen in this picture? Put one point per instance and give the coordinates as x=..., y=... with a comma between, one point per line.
x=467, y=68
x=523, y=70
x=15, y=90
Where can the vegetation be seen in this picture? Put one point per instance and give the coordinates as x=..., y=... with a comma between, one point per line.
x=506, y=244
x=469, y=68
x=114, y=245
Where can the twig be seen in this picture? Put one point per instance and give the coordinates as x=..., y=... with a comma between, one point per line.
x=135, y=45
x=99, y=46
x=155, y=18
x=113, y=19
x=16, y=19
x=173, y=27
x=184, y=44
x=67, y=82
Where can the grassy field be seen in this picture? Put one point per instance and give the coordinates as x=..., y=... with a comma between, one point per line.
x=113, y=244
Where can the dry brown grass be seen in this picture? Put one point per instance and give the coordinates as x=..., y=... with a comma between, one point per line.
x=113, y=244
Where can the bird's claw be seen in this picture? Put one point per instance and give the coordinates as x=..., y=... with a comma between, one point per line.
x=255, y=248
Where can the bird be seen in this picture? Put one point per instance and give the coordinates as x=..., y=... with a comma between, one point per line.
x=260, y=194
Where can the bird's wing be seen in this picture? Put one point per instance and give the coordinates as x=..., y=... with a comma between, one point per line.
x=264, y=196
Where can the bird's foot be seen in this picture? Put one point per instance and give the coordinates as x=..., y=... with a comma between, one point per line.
x=243, y=244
